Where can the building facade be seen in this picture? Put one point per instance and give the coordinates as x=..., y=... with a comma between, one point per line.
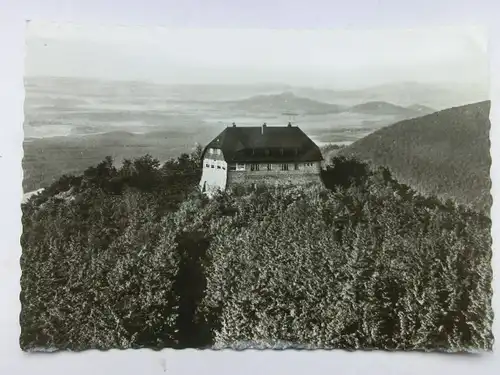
x=260, y=155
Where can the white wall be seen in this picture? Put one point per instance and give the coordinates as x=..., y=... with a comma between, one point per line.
x=214, y=175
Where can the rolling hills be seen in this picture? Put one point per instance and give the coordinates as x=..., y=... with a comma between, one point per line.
x=46, y=159
x=438, y=95
x=288, y=101
x=445, y=153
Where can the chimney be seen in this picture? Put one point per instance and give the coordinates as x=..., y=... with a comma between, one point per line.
x=289, y=124
x=264, y=125
x=234, y=124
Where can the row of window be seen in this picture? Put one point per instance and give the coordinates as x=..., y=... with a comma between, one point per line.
x=269, y=167
x=253, y=167
x=213, y=166
x=214, y=151
x=212, y=163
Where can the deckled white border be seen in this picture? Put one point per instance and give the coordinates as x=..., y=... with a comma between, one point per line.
x=215, y=13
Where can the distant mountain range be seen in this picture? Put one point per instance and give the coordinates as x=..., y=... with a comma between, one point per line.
x=435, y=95
x=446, y=153
x=289, y=102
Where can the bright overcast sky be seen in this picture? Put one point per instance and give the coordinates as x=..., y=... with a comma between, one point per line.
x=320, y=57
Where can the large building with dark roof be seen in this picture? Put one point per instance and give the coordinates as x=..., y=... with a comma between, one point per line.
x=257, y=155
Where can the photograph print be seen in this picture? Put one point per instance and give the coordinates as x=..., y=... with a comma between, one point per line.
x=265, y=189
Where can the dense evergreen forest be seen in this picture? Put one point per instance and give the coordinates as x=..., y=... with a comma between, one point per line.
x=136, y=257
x=446, y=153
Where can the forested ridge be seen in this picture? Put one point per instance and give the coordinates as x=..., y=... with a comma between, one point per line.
x=446, y=153
x=136, y=257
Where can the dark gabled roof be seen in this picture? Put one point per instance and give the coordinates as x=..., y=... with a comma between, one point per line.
x=266, y=144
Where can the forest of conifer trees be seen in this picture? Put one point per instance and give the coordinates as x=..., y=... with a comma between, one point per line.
x=136, y=257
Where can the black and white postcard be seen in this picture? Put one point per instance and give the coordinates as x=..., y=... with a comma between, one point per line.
x=269, y=189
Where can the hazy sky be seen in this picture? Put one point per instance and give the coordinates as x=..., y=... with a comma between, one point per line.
x=350, y=58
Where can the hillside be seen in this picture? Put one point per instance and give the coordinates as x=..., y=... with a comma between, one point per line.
x=134, y=256
x=446, y=153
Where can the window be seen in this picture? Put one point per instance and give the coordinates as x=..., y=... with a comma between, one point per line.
x=284, y=167
x=232, y=167
x=218, y=151
x=269, y=167
x=218, y=167
x=296, y=166
x=254, y=167
x=240, y=167
x=212, y=166
x=207, y=165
